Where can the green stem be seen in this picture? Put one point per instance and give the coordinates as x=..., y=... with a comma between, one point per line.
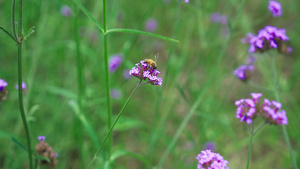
x=20, y=87
x=249, y=151
x=79, y=87
x=5, y=31
x=112, y=127
x=277, y=96
x=13, y=21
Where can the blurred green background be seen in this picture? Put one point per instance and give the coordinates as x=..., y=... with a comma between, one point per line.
x=197, y=69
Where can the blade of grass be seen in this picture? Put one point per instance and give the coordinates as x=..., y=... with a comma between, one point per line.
x=89, y=15
x=121, y=30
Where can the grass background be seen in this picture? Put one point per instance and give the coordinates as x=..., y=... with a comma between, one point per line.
x=200, y=66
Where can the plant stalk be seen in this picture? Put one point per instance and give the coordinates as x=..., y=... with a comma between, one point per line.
x=20, y=86
x=112, y=127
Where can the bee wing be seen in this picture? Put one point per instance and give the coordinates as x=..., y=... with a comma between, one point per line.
x=156, y=56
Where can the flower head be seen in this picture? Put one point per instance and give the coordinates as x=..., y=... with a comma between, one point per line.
x=114, y=63
x=43, y=149
x=275, y=8
x=144, y=71
x=243, y=72
x=271, y=111
x=151, y=25
x=268, y=38
x=211, y=160
x=3, y=84
x=115, y=93
x=66, y=11
x=216, y=17
x=272, y=114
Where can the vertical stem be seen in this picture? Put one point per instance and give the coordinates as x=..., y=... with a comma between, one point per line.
x=107, y=80
x=249, y=150
x=115, y=122
x=80, y=87
x=20, y=86
x=277, y=96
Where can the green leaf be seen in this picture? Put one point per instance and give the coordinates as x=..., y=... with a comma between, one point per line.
x=119, y=153
x=85, y=122
x=141, y=33
x=88, y=14
x=62, y=92
x=127, y=123
x=28, y=33
x=19, y=144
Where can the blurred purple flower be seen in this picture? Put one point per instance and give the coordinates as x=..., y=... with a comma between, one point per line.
x=210, y=146
x=216, y=17
x=114, y=62
x=267, y=38
x=126, y=74
x=275, y=8
x=243, y=72
x=24, y=86
x=66, y=11
x=3, y=84
x=115, y=93
x=247, y=39
x=150, y=25
x=146, y=72
x=186, y=1
x=211, y=160
x=42, y=138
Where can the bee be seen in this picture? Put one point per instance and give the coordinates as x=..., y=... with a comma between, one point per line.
x=151, y=63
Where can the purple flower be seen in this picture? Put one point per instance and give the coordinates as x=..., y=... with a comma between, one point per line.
x=146, y=72
x=210, y=146
x=24, y=87
x=251, y=60
x=211, y=160
x=272, y=114
x=275, y=8
x=115, y=93
x=150, y=25
x=268, y=38
x=246, y=110
x=3, y=84
x=243, y=72
x=114, y=63
x=216, y=17
x=42, y=138
x=186, y=1
x=66, y=11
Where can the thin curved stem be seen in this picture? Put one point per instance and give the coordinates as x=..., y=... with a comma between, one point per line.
x=13, y=20
x=277, y=96
x=112, y=127
x=20, y=88
x=249, y=150
x=10, y=35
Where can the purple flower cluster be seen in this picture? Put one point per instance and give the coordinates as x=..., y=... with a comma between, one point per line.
x=114, y=63
x=211, y=160
x=150, y=25
x=248, y=109
x=42, y=138
x=216, y=17
x=243, y=72
x=267, y=38
x=275, y=8
x=66, y=11
x=146, y=72
x=3, y=84
x=272, y=114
